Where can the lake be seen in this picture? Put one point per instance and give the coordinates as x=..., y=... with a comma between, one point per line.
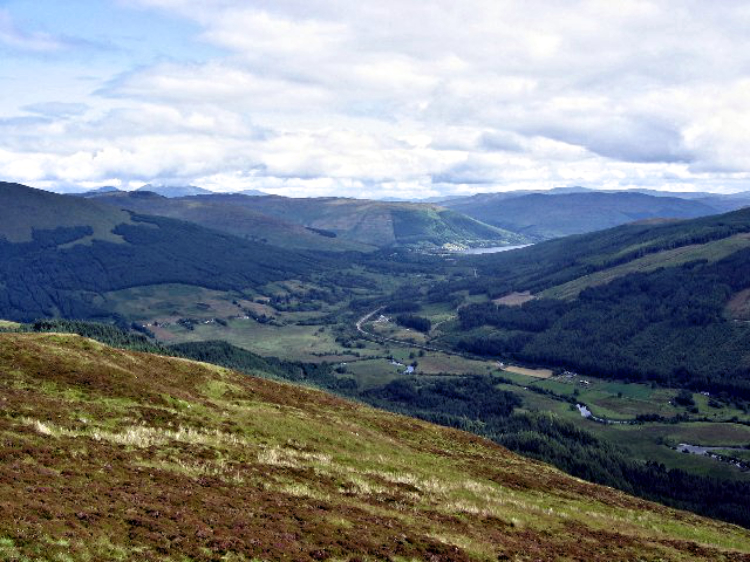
x=492, y=249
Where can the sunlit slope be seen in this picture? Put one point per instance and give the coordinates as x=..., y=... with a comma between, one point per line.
x=109, y=454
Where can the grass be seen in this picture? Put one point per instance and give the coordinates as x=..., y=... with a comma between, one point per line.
x=130, y=456
x=534, y=373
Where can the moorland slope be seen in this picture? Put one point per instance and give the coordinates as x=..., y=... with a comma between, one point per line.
x=110, y=454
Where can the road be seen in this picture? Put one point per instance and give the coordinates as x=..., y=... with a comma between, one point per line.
x=380, y=339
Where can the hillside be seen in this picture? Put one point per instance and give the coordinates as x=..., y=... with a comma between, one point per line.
x=59, y=254
x=544, y=216
x=378, y=223
x=121, y=455
x=23, y=210
x=660, y=301
x=215, y=213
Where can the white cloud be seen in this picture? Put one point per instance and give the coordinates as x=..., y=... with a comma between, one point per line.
x=332, y=96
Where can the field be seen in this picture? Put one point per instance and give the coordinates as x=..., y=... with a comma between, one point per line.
x=515, y=299
x=534, y=373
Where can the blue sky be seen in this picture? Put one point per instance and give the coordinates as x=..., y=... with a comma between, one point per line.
x=401, y=98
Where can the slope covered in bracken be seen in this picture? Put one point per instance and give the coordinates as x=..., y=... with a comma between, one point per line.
x=107, y=455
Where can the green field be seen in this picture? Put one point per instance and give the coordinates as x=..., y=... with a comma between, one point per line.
x=648, y=441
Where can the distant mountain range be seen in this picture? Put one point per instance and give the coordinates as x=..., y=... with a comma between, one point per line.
x=170, y=191
x=322, y=223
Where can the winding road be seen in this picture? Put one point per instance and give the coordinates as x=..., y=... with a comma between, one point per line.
x=380, y=339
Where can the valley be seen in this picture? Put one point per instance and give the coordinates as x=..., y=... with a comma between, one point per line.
x=508, y=345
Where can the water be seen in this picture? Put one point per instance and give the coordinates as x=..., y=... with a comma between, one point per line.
x=585, y=412
x=492, y=249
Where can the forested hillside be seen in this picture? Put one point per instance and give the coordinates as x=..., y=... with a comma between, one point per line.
x=61, y=270
x=639, y=302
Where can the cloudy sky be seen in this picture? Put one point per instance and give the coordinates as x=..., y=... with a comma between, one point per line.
x=376, y=98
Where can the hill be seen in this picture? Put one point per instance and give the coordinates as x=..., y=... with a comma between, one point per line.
x=544, y=216
x=216, y=213
x=653, y=301
x=378, y=223
x=122, y=455
x=58, y=254
x=24, y=210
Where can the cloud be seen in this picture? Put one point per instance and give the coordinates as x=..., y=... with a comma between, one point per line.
x=328, y=96
x=14, y=37
x=57, y=109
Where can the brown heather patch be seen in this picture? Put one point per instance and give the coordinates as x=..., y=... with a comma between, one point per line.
x=111, y=455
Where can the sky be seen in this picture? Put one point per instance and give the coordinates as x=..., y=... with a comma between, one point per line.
x=386, y=98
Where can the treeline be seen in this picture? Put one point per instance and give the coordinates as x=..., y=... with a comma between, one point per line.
x=419, y=323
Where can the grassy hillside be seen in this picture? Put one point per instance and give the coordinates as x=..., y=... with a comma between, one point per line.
x=378, y=223
x=545, y=216
x=218, y=214
x=60, y=254
x=122, y=455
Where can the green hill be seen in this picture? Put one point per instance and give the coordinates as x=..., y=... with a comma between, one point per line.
x=110, y=454
x=216, y=213
x=59, y=254
x=378, y=223
x=544, y=216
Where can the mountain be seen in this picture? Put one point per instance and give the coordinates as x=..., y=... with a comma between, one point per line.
x=378, y=223
x=112, y=454
x=545, y=216
x=253, y=193
x=175, y=190
x=665, y=301
x=59, y=254
x=99, y=190
x=214, y=212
